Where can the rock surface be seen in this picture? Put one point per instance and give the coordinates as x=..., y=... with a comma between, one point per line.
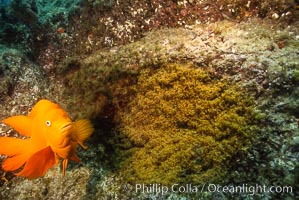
x=259, y=54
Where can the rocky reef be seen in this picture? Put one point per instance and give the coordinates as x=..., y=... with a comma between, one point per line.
x=176, y=97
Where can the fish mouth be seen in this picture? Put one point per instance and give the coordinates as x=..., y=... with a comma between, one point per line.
x=65, y=129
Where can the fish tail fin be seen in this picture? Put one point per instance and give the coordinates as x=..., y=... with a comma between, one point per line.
x=12, y=146
x=21, y=123
x=14, y=163
x=81, y=130
x=15, y=149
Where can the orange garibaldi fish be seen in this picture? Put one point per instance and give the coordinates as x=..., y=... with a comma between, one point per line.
x=51, y=136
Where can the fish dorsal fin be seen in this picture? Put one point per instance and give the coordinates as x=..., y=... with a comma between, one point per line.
x=22, y=124
x=38, y=164
x=41, y=107
x=81, y=130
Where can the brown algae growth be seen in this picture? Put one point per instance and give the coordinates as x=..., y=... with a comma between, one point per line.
x=185, y=126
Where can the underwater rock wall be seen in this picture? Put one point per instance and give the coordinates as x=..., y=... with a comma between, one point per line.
x=118, y=83
x=185, y=126
x=18, y=78
x=248, y=53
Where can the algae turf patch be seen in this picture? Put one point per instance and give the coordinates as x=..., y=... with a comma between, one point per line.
x=185, y=126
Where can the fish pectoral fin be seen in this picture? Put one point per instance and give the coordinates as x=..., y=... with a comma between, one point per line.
x=81, y=130
x=22, y=124
x=38, y=164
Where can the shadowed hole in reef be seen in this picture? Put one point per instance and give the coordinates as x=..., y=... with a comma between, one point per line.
x=103, y=159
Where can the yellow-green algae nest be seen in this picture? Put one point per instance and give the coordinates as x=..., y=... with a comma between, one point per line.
x=186, y=125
